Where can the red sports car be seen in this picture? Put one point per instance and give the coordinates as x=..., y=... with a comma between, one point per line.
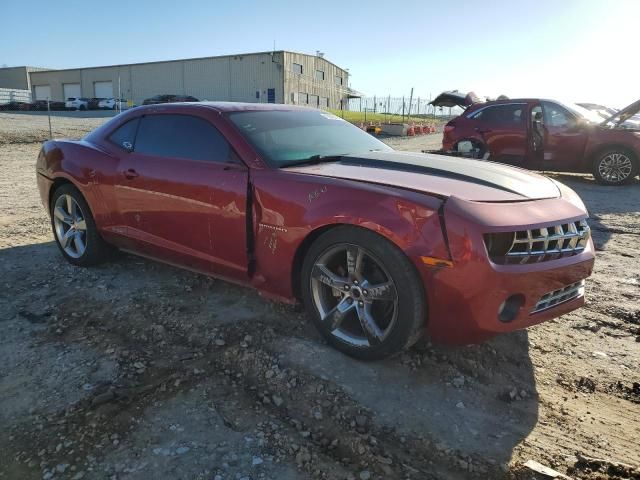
x=380, y=245
x=547, y=135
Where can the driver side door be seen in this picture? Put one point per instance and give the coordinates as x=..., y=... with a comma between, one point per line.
x=181, y=195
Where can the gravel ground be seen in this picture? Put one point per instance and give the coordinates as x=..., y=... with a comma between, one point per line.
x=138, y=370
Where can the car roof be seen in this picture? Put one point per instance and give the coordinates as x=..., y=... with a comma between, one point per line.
x=508, y=101
x=227, y=106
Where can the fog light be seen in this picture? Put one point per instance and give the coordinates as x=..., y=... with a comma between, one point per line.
x=508, y=309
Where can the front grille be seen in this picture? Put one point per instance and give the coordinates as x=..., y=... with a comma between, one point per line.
x=541, y=244
x=557, y=297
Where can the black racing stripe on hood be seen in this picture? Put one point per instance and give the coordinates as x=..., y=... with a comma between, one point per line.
x=424, y=170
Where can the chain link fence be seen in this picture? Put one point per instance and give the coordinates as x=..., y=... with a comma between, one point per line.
x=406, y=107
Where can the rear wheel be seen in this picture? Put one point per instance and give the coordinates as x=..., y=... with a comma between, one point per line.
x=615, y=166
x=363, y=294
x=75, y=229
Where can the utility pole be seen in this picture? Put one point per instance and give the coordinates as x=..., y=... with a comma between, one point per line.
x=119, y=94
x=410, y=101
x=49, y=115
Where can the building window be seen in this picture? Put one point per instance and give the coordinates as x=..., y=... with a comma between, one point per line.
x=338, y=80
x=313, y=100
x=303, y=98
x=324, y=102
x=319, y=75
x=297, y=68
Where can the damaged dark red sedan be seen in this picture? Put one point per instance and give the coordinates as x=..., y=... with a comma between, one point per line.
x=379, y=245
x=546, y=135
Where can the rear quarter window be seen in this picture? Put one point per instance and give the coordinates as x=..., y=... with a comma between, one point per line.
x=124, y=136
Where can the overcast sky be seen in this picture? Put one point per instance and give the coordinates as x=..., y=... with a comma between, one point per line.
x=578, y=50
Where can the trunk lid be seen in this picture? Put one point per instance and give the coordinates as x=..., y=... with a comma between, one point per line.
x=454, y=98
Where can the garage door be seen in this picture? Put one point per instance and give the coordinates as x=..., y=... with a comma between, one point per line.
x=71, y=90
x=42, y=92
x=103, y=89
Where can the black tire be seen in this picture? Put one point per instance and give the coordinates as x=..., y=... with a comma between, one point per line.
x=96, y=250
x=82, y=107
x=411, y=307
x=601, y=157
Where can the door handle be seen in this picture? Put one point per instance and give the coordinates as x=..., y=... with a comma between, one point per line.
x=479, y=130
x=130, y=174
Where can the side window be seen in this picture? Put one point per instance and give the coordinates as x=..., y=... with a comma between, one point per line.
x=511, y=114
x=557, y=116
x=181, y=136
x=124, y=136
x=483, y=115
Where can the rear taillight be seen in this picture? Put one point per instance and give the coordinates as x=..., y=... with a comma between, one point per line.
x=449, y=128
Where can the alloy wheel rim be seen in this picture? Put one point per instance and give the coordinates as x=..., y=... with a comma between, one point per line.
x=615, y=167
x=355, y=296
x=70, y=226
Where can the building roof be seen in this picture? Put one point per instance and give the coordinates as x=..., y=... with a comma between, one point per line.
x=188, y=59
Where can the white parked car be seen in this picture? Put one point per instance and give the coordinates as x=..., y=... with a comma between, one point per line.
x=113, y=104
x=79, y=103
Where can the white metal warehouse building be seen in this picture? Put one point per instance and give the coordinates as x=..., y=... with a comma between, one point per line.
x=263, y=77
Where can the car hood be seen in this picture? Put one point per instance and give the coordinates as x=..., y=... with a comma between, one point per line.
x=624, y=114
x=438, y=175
x=455, y=98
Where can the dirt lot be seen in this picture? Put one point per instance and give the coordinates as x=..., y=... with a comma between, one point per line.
x=137, y=370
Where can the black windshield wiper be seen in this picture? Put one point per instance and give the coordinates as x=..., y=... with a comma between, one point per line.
x=314, y=160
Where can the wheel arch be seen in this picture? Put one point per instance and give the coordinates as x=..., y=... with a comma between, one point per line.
x=57, y=183
x=313, y=235
x=301, y=252
x=592, y=157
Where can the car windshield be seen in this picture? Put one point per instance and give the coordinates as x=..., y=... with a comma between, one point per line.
x=286, y=138
x=588, y=115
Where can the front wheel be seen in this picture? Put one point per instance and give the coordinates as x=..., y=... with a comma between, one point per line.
x=363, y=294
x=615, y=166
x=75, y=230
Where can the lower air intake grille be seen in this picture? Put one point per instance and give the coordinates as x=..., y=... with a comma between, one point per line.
x=557, y=297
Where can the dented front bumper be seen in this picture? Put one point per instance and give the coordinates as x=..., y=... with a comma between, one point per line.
x=467, y=300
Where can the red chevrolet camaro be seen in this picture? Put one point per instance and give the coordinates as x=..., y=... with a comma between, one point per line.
x=380, y=245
